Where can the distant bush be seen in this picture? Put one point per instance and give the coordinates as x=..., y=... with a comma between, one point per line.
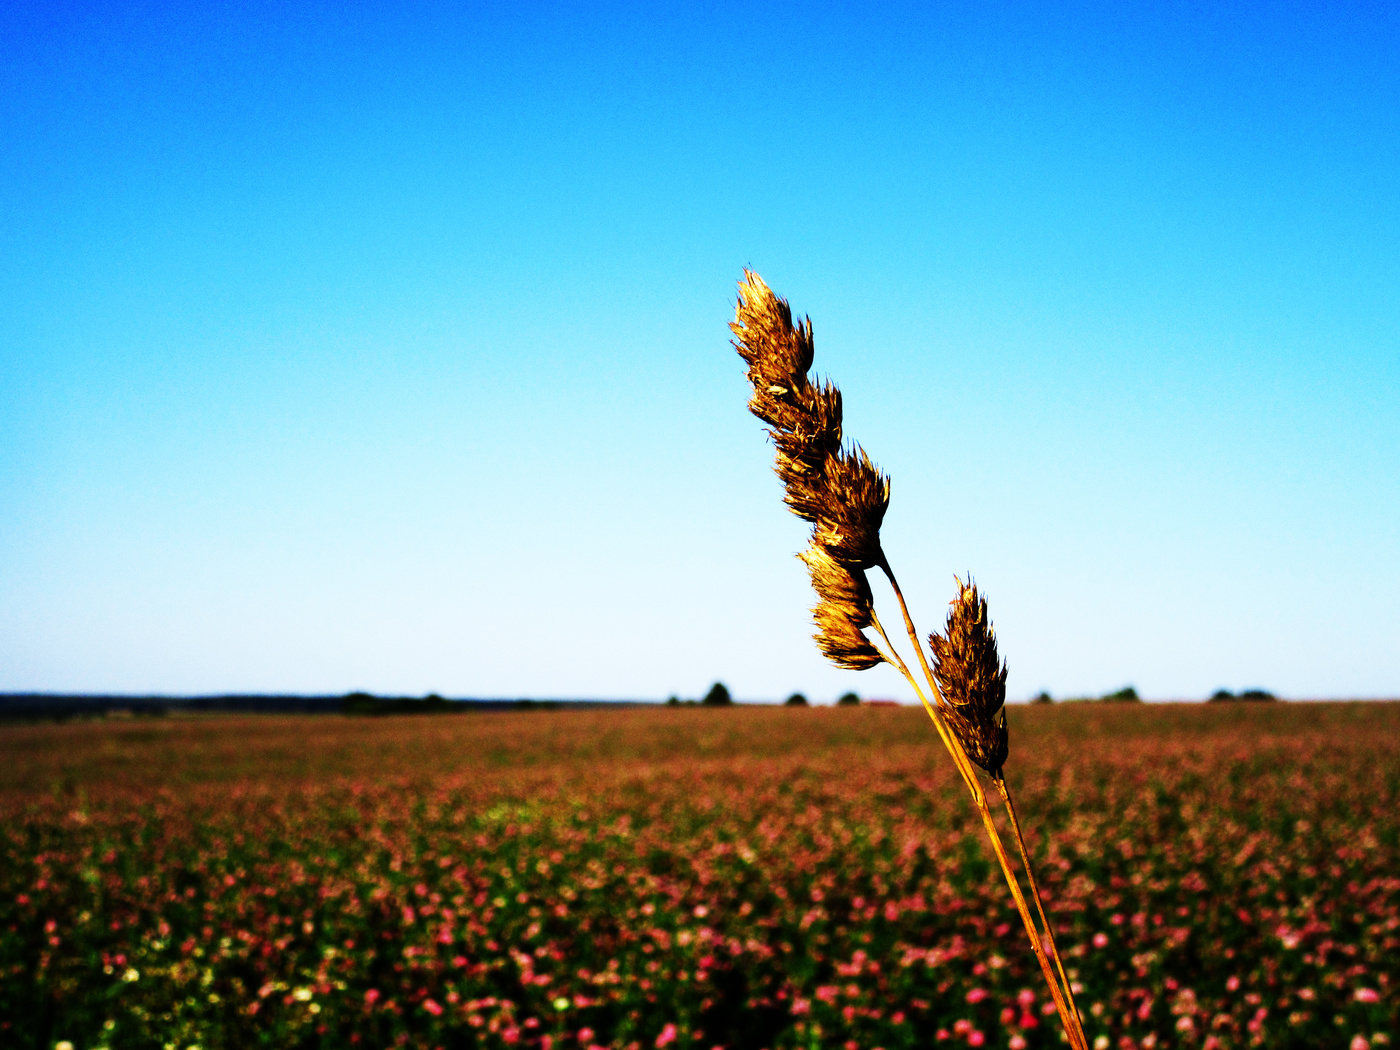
x=673, y=701
x=848, y=700
x=360, y=704
x=1042, y=697
x=718, y=696
x=1126, y=695
x=1249, y=695
x=796, y=700
x=369, y=704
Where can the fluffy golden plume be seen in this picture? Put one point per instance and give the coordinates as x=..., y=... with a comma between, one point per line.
x=972, y=679
x=855, y=495
x=840, y=491
x=842, y=611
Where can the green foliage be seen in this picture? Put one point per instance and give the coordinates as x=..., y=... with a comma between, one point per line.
x=1043, y=697
x=795, y=700
x=848, y=700
x=1126, y=695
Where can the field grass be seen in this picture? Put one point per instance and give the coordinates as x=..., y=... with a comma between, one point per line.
x=1221, y=876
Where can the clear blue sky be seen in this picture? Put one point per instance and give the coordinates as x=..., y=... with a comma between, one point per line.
x=384, y=346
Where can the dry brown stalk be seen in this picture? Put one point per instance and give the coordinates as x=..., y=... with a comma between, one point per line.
x=843, y=495
x=1062, y=994
x=1035, y=892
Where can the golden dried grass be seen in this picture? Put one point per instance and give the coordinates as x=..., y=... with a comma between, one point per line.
x=840, y=491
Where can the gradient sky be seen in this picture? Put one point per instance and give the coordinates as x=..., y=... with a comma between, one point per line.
x=384, y=346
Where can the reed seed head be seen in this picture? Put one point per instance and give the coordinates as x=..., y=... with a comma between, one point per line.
x=804, y=419
x=777, y=351
x=844, y=608
x=839, y=491
x=972, y=679
x=806, y=442
x=856, y=496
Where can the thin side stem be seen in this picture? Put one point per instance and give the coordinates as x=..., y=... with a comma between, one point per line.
x=898, y=661
x=979, y=798
x=908, y=622
x=1070, y=1021
x=1073, y=1029
x=951, y=742
x=955, y=749
x=1035, y=889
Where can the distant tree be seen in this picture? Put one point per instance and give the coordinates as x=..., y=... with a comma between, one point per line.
x=718, y=696
x=795, y=700
x=359, y=703
x=1253, y=695
x=1126, y=695
x=848, y=700
x=673, y=701
x=1042, y=697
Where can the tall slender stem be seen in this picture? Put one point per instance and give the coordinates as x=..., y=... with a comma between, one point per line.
x=897, y=661
x=908, y=622
x=1074, y=1030
x=955, y=749
x=1035, y=890
x=1070, y=1021
x=980, y=800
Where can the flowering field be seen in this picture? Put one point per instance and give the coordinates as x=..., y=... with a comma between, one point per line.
x=1223, y=876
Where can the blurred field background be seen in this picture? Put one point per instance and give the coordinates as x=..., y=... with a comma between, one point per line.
x=1223, y=876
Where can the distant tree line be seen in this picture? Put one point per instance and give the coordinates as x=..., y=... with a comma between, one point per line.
x=59, y=707
x=718, y=696
x=1251, y=695
x=1129, y=695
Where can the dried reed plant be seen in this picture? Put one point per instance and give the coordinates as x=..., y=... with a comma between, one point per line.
x=842, y=494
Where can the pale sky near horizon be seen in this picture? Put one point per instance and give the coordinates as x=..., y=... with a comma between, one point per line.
x=385, y=347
